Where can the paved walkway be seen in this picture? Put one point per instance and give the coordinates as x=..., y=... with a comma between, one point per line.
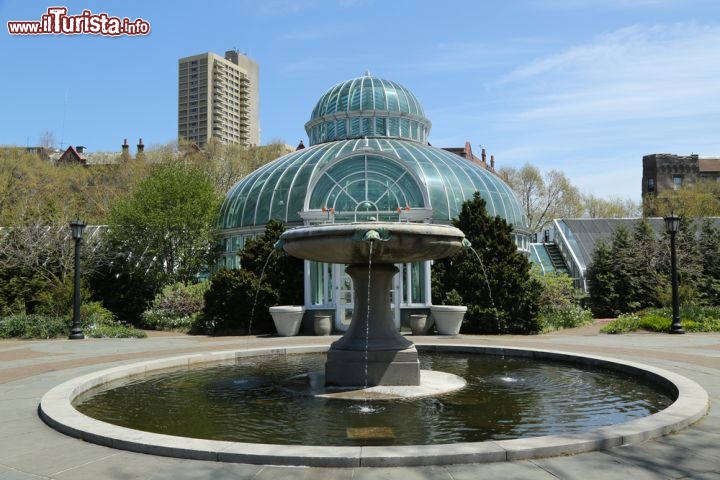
x=31, y=450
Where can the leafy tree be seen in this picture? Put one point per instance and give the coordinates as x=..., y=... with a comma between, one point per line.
x=226, y=164
x=698, y=200
x=560, y=306
x=543, y=197
x=613, y=207
x=162, y=233
x=495, y=281
x=165, y=228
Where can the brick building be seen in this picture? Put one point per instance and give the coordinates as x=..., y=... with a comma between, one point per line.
x=665, y=171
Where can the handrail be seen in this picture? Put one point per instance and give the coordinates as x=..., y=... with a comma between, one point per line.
x=565, y=250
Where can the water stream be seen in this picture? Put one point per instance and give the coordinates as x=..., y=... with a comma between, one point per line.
x=365, y=408
x=257, y=292
x=367, y=316
x=487, y=282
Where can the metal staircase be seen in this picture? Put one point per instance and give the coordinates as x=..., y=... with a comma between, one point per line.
x=556, y=258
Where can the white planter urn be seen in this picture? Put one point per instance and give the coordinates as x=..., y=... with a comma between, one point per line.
x=448, y=318
x=287, y=319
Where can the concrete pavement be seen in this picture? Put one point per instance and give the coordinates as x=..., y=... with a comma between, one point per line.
x=29, y=449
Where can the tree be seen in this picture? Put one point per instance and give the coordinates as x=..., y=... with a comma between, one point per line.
x=47, y=140
x=494, y=281
x=162, y=233
x=699, y=200
x=689, y=261
x=236, y=303
x=624, y=276
x=613, y=207
x=226, y=164
x=282, y=273
x=601, y=280
x=543, y=197
x=709, y=244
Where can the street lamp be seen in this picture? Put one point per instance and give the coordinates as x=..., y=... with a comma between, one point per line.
x=77, y=227
x=672, y=226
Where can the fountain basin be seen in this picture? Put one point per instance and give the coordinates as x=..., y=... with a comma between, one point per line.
x=397, y=242
x=691, y=403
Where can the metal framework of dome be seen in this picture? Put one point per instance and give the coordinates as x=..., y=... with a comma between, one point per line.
x=367, y=107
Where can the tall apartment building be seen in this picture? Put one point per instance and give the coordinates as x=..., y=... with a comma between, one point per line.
x=665, y=171
x=219, y=98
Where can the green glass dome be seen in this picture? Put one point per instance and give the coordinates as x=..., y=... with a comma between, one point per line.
x=361, y=178
x=367, y=107
x=376, y=166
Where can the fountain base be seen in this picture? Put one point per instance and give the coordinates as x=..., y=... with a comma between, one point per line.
x=432, y=383
x=356, y=368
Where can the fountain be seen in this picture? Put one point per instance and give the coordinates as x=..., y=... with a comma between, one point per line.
x=372, y=352
x=368, y=154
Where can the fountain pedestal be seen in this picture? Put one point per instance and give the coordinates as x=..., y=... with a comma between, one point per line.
x=372, y=352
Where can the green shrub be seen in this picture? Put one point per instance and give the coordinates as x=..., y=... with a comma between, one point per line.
x=181, y=299
x=34, y=326
x=560, y=318
x=113, y=331
x=235, y=300
x=694, y=318
x=654, y=322
x=176, y=307
x=160, y=319
x=624, y=323
x=96, y=322
x=93, y=313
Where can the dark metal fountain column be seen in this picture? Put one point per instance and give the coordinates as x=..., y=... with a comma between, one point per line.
x=372, y=352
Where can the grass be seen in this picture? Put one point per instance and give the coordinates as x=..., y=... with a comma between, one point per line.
x=694, y=319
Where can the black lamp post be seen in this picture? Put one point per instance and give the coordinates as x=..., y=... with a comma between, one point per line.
x=672, y=226
x=77, y=227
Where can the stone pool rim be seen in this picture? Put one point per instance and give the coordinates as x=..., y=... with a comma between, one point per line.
x=690, y=405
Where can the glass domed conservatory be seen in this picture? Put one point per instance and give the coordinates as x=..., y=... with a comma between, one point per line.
x=368, y=159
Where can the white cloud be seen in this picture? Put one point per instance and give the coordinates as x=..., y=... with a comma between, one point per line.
x=638, y=72
x=605, y=4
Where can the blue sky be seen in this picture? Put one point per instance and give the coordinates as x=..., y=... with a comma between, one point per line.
x=582, y=86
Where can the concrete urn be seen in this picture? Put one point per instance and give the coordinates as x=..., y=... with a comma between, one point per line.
x=287, y=319
x=448, y=318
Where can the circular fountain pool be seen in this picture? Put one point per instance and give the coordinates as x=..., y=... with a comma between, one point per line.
x=297, y=431
x=253, y=401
